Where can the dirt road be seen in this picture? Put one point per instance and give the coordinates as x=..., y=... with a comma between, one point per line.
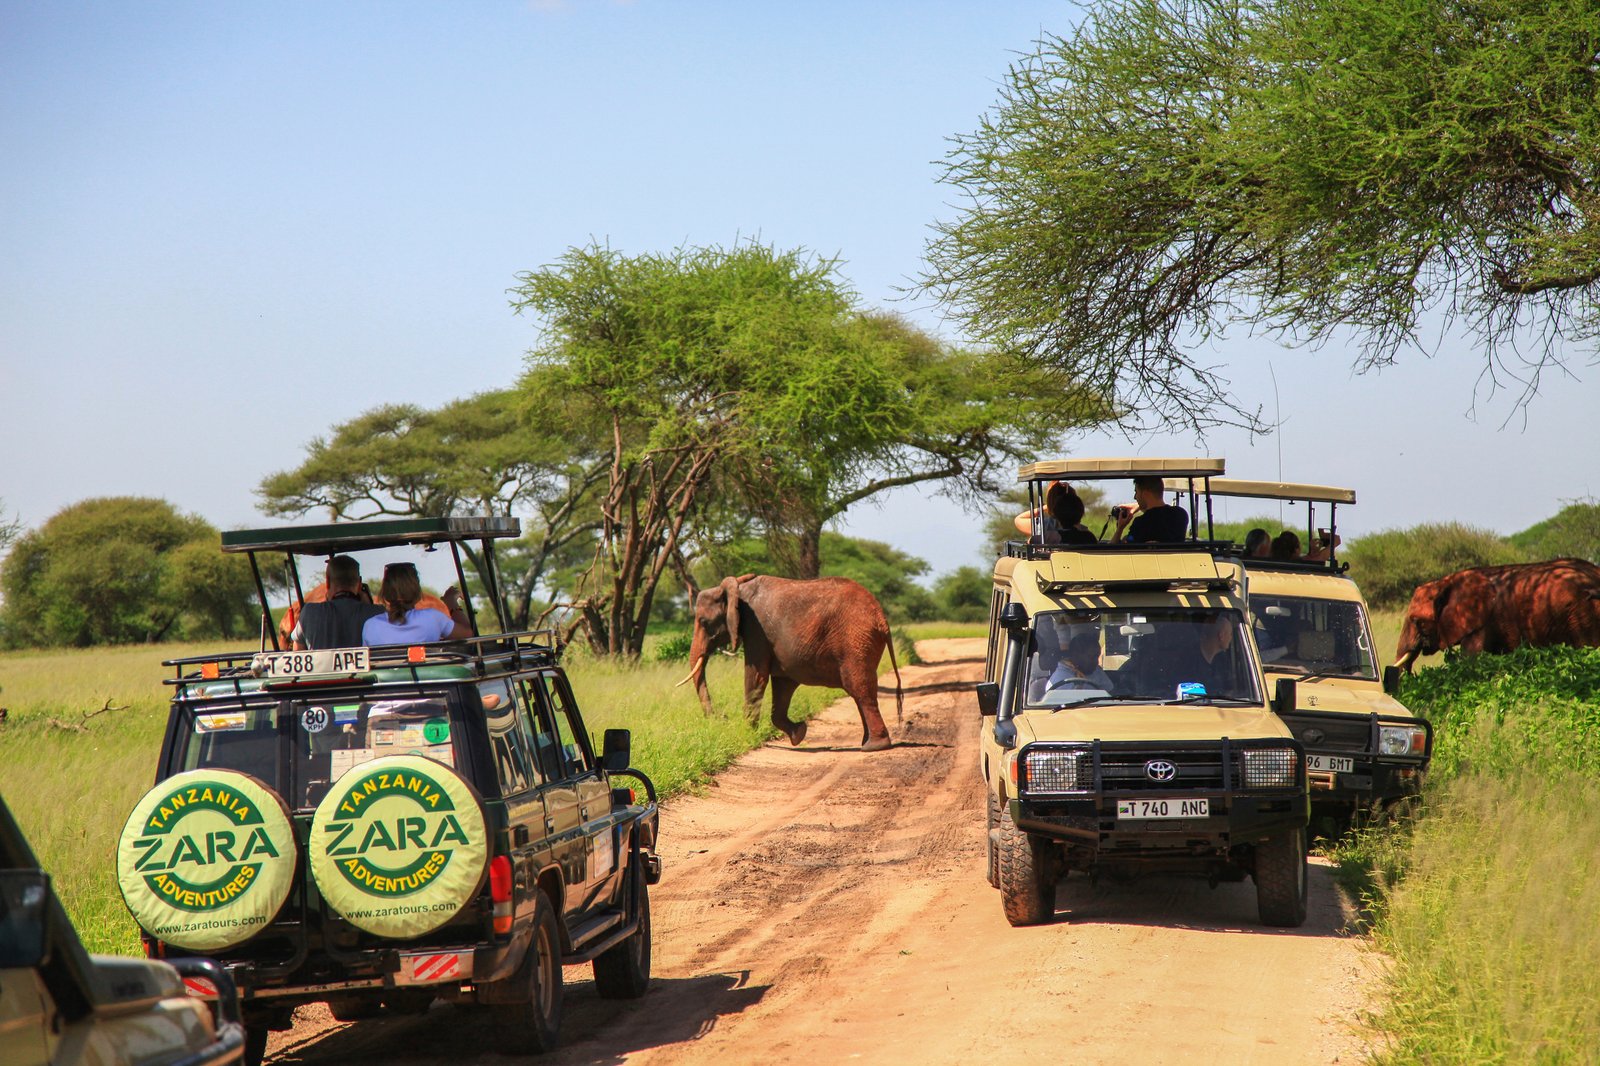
x=822, y=906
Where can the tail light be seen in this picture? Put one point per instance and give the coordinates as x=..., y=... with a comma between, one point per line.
x=500, y=886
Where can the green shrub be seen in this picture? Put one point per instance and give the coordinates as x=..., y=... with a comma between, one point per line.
x=1390, y=565
x=1574, y=531
x=674, y=647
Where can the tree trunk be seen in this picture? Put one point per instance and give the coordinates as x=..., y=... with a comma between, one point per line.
x=808, y=552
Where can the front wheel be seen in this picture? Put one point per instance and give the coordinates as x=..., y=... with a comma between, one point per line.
x=623, y=970
x=1026, y=874
x=533, y=1023
x=1281, y=879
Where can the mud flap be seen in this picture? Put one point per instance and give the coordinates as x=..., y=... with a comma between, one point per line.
x=994, y=864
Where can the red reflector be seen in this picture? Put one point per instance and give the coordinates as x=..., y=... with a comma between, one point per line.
x=500, y=879
x=630, y=797
x=209, y=670
x=416, y=654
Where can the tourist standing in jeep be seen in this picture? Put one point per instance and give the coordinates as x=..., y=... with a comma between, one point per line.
x=1180, y=764
x=377, y=827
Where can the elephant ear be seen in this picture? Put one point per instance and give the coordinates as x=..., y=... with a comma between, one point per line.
x=730, y=588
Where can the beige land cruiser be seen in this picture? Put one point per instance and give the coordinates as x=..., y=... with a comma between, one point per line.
x=1164, y=756
x=1366, y=754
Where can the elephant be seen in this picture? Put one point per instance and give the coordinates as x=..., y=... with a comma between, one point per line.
x=826, y=631
x=1497, y=609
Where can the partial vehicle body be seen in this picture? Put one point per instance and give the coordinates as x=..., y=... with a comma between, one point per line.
x=1167, y=756
x=1366, y=753
x=61, y=1005
x=432, y=820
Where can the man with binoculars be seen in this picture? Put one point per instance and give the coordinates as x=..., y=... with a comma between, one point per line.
x=1158, y=520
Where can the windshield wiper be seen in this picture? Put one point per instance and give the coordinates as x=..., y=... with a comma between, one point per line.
x=1098, y=699
x=1212, y=699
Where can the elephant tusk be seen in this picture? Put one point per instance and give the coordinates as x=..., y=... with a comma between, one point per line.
x=693, y=672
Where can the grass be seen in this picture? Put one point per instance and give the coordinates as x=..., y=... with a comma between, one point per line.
x=943, y=630
x=70, y=781
x=1489, y=904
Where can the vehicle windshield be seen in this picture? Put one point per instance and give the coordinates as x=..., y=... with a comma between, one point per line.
x=1305, y=636
x=299, y=747
x=1144, y=654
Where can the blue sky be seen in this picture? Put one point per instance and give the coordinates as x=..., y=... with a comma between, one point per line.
x=224, y=228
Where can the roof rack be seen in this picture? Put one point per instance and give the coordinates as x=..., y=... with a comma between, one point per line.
x=1288, y=491
x=335, y=537
x=1133, y=466
x=487, y=656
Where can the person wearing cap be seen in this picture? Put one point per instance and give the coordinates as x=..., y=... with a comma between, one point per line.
x=403, y=622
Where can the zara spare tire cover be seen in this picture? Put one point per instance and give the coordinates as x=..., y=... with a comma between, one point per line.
x=206, y=859
x=399, y=845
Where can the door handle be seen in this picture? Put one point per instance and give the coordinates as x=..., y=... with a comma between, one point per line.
x=549, y=825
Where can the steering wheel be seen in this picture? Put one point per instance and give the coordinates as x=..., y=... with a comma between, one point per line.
x=1074, y=682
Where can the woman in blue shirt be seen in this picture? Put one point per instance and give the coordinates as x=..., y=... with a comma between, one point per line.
x=403, y=622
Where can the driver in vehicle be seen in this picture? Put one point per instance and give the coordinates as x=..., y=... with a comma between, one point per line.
x=1080, y=665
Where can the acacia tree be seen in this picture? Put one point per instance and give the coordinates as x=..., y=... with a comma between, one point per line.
x=536, y=452
x=1296, y=165
x=747, y=391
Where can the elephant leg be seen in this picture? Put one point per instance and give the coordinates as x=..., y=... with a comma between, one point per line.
x=862, y=685
x=782, y=693
x=755, y=687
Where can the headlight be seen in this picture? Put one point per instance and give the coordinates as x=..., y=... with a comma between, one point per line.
x=1401, y=740
x=1270, y=767
x=1057, y=771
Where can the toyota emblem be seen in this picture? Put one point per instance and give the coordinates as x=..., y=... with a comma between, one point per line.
x=1313, y=736
x=1160, y=770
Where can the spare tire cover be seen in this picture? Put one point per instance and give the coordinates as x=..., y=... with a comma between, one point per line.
x=206, y=859
x=399, y=845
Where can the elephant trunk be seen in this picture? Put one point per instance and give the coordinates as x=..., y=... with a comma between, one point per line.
x=699, y=652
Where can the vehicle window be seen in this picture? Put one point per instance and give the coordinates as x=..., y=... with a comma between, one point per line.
x=513, y=756
x=1308, y=636
x=1146, y=653
x=528, y=729
x=563, y=751
x=299, y=747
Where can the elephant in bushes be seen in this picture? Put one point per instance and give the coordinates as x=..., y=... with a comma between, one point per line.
x=1497, y=609
x=829, y=631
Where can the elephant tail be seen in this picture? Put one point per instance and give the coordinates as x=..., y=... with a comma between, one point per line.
x=899, y=689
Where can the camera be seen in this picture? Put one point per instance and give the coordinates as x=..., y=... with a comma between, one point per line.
x=1121, y=510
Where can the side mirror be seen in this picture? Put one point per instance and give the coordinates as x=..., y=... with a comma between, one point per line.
x=1391, y=680
x=1283, y=699
x=617, y=750
x=1013, y=617
x=988, y=699
x=24, y=904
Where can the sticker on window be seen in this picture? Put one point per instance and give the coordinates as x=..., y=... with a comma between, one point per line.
x=226, y=722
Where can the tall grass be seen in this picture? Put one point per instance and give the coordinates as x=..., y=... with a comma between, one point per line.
x=1490, y=903
x=70, y=781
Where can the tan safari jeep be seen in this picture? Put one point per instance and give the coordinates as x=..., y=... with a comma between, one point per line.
x=1165, y=757
x=1366, y=754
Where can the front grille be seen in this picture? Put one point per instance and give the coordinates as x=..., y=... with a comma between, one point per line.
x=1331, y=732
x=1125, y=771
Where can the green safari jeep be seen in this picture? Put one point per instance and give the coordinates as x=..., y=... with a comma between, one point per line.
x=380, y=827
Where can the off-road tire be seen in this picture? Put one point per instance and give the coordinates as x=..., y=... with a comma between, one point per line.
x=991, y=837
x=255, y=1044
x=1282, y=879
x=1027, y=874
x=533, y=1024
x=623, y=970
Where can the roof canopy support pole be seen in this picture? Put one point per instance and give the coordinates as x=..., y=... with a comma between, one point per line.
x=491, y=573
x=461, y=583
x=1211, y=530
x=266, y=612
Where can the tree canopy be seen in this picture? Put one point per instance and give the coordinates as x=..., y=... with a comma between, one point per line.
x=745, y=390
x=1300, y=166
x=118, y=570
